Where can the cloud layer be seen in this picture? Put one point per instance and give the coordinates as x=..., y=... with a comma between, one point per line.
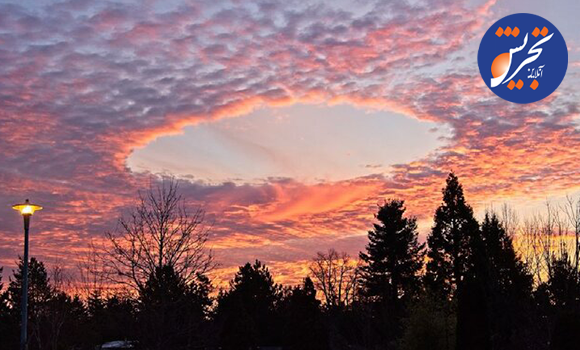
x=84, y=83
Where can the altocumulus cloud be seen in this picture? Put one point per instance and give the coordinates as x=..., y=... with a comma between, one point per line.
x=83, y=83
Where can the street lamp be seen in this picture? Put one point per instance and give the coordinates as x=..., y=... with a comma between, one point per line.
x=26, y=210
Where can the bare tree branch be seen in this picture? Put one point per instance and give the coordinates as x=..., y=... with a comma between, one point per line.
x=160, y=231
x=336, y=276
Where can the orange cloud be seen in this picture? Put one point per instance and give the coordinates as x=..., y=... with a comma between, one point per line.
x=73, y=109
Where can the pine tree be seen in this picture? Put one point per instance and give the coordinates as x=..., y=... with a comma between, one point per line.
x=171, y=311
x=302, y=326
x=113, y=318
x=449, y=241
x=39, y=294
x=394, y=256
x=39, y=288
x=559, y=301
x=507, y=274
x=247, y=311
x=473, y=321
x=52, y=313
x=506, y=283
x=8, y=324
x=390, y=276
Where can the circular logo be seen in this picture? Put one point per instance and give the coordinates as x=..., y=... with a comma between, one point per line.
x=523, y=58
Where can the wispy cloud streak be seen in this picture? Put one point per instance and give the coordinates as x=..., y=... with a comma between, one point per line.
x=82, y=84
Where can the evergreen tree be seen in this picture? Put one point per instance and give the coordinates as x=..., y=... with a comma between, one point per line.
x=559, y=301
x=9, y=325
x=564, y=284
x=39, y=288
x=55, y=318
x=394, y=256
x=171, y=312
x=61, y=322
x=95, y=319
x=472, y=316
x=247, y=311
x=39, y=294
x=110, y=319
x=507, y=273
x=508, y=286
x=473, y=321
x=449, y=240
x=390, y=276
x=500, y=288
x=302, y=325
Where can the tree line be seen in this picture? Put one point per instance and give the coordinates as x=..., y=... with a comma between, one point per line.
x=466, y=288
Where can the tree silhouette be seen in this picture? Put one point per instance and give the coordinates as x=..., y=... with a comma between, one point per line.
x=336, y=275
x=559, y=302
x=394, y=256
x=302, y=325
x=54, y=316
x=476, y=292
x=507, y=285
x=430, y=325
x=507, y=272
x=172, y=313
x=9, y=325
x=393, y=261
x=449, y=240
x=113, y=318
x=39, y=294
x=247, y=311
x=159, y=232
x=472, y=316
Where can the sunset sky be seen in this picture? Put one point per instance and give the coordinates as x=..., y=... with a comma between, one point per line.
x=288, y=121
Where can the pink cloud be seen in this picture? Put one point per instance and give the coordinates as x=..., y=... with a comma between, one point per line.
x=78, y=94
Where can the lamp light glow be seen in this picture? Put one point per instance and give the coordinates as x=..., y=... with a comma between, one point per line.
x=26, y=208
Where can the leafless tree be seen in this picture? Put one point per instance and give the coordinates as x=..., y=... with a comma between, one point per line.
x=533, y=246
x=545, y=239
x=91, y=273
x=52, y=310
x=336, y=276
x=60, y=279
x=509, y=220
x=160, y=231
x=56, y=311
x=571, y=209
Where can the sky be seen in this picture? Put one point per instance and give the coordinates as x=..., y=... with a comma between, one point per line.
x=287, y=121
x=305, y=142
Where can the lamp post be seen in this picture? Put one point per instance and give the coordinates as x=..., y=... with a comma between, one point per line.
x=26, y=210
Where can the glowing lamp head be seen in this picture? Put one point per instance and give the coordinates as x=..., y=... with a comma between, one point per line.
x=27, y=208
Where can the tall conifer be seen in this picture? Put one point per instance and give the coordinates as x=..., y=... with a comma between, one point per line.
x=449, y=241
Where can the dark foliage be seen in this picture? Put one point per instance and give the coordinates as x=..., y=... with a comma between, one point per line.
x=475, y=293
x=302, y=323
x=390, y=277
x=431, y=324
x=559, y=303
x=506, y=285
x=110, y=319
x=246, y=313
x=472, y=316
x=449, y=241
x=55, y=318
x=171, y=313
